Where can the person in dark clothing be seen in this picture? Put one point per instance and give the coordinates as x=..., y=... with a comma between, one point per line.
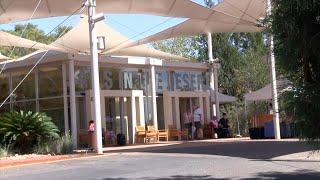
x=223, y=127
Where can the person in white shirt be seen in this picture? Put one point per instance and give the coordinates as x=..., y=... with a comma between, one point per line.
x=187, y=120
x=197, y=114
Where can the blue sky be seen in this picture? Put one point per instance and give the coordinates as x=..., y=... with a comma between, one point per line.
x=129, y=25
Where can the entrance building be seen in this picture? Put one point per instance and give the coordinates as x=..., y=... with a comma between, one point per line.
x=135, y=91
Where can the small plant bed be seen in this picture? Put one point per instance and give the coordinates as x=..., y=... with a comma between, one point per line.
x=31, y=137
x=27, y=159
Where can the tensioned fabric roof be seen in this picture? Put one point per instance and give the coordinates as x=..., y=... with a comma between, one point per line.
x=77, y=41
x=7, y=39
x=223, y=98
x=265, y=93
x=17, y=10
x=243, y=16
x=3, y=58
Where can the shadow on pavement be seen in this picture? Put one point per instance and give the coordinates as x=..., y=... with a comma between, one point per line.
x=301, y=174
x=173, y=177
x=259, y=150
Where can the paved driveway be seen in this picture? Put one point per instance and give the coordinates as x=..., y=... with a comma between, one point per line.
x=193, y=160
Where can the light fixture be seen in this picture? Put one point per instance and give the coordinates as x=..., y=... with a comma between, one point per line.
x=98, y=17
x=101, y=43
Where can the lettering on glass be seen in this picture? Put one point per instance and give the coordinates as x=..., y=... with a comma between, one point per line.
x=161, y=81
x=189, y=81
x=134, y=80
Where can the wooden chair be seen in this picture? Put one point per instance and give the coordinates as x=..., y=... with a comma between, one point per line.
x=174, y=132
x=163, y=134
x=140, y=133
x=151, y=132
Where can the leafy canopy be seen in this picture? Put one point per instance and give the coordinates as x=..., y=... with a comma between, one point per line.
x=296, y=29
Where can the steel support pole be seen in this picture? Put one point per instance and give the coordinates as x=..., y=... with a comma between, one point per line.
x=216, y=92
x=213, y=81
x=276, y=121
x=95, y=75
x=73, y=110
x=65, y=98
x=154, y=96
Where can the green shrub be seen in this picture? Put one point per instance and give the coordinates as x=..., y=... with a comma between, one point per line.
x=26, y=130
x=4, y=151
x=62, y=145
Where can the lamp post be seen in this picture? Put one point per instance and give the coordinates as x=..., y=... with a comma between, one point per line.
x=213, y=79
x=92, y=19
x=276, y=121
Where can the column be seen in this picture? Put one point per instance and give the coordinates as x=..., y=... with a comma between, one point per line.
x=201, y=107
x=216, y=92
x=167, y=110
x=276, y=121
x=153, y=96
x=65, y=98
x=141, y=110
x=133, y=119
x=95, y=75
x=177, y=114
x=213, y=80
x=73, y=112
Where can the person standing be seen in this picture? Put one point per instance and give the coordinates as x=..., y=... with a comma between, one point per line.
x=187, y=120
x=224, y=126
x=197, y=114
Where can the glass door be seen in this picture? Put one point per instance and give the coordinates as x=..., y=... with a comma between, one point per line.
x=115, y=120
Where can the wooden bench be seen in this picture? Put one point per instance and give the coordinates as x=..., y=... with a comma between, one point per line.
x=160, y=133
x=151, y=133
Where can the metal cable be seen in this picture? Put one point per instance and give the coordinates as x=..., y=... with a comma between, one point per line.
x=23, y=31
x=42, y=57
x=139, y=34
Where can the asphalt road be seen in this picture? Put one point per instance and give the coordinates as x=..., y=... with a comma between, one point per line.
x=196, y=160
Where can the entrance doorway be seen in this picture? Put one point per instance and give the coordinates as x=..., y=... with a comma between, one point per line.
x=121, y=112
x=116, y=119
x=186, y=104
x=177, y=102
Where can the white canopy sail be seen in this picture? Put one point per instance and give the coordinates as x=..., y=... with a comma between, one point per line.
x=233, y=16
x=17, y=10
x=265, y=93
x=77, y=40
x=3, y=58
x=7, y=39
x=223, y=98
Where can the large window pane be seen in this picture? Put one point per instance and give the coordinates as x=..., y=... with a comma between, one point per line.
x=5, y=108
x=82, y=77
x=54, y=109
x=4, y=87
x=162, y=83
x=27, y=89
x=109, y=79
x=50, y=81
x=189, y=81
x=135, y=79
x=25, y=106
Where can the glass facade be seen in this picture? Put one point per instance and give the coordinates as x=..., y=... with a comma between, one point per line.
x=50, y=93
x=55, y=109
x=4, y=86
x=26, y=90
x=190, y=81
x=82, y=78
x=50, y=81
